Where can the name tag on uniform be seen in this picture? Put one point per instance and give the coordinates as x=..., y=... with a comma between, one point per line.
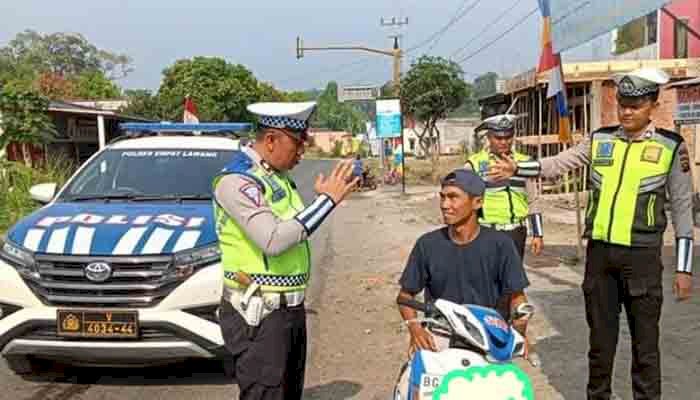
x=603, y=162
x=605, y=149
x=651, y=153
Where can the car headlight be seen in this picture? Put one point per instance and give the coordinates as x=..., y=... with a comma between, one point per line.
x=188, y=261
x=20, y=258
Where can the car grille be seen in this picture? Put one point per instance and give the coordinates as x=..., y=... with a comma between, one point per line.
x=135, y=281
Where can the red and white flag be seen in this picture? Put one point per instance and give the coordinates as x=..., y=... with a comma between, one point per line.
x=190, y=113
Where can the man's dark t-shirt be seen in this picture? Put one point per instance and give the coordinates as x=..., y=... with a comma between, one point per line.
x=480, y=272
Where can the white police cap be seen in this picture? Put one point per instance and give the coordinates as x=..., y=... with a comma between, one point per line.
x=293, y=116
x=640, y=82
x=498, y=125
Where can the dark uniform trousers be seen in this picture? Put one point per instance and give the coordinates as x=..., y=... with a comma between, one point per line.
x=616, y=276
x=270, y=363
x=519, y=236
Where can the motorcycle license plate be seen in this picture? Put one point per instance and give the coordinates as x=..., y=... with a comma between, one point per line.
x=102, y=324
x=429, y=384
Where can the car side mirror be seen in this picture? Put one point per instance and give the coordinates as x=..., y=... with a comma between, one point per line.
x=43, y=193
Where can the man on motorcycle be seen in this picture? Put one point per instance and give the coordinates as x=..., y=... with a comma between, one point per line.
x=462, y=262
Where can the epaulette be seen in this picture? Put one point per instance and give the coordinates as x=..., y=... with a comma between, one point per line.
x=608, y=129
x=670, y=135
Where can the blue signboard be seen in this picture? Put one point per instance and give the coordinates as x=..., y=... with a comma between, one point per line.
x=388, y=118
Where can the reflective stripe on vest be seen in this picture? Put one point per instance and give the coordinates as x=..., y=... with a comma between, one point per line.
x=629, y=189
x=288, y=271
x=504, y=202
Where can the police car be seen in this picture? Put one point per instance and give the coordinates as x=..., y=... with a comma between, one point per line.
x=121, y=265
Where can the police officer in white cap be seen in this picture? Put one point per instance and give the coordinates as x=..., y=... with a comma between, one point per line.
x=508, y=204
x=264, y=229
x=636, y=168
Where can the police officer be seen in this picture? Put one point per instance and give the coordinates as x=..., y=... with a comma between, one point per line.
x=633, y=168
x=507, y=203
x=263, y=229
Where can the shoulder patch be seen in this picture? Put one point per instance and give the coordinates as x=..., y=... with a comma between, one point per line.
x=684, y=159
x=252, y=192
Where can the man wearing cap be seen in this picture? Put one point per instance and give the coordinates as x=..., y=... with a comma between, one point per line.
x=263, y=229
x=463, y=262
x=635, y=169
x=507, y=203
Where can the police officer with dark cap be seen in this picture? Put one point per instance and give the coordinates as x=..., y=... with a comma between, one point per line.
x=636, y=168
x=509, y=205
x=264, y=228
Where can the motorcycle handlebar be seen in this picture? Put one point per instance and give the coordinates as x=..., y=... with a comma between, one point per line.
x=425, y=308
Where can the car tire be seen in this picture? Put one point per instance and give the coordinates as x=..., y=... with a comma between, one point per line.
x=23, y=365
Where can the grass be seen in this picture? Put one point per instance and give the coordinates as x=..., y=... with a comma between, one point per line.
x=421, y=172
x=15, y=181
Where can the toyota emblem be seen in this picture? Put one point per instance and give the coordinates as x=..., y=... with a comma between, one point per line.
x=98, y=272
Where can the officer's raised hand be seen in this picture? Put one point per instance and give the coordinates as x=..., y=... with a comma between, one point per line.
x=683, y=286
x=336, y=185
x=502, y=168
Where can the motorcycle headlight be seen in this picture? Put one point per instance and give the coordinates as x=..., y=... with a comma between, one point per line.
x=185, y=263
x=20, y=258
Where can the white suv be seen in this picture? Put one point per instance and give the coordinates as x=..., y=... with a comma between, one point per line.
x=121, y=266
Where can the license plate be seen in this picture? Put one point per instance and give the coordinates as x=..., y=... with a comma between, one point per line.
x=98, y=324
x=428, y=385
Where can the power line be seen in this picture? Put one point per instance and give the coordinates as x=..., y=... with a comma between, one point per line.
x=461, y=12
x=499, y=37
x=486, y=28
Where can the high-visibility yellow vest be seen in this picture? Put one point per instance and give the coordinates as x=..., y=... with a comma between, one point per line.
x=288, y=271
x=504, y=202
x=628, y=181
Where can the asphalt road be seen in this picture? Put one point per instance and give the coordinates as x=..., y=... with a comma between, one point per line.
x=189, y=380
x=564, y=355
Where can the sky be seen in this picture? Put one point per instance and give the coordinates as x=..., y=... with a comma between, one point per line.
x=261, y=35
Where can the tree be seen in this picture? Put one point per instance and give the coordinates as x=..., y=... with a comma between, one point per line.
x=469, y=108
x=221, y=90
x=485, y=85
x=431, y=89
x=24, y=119
x=54, y=86
x=337, y=116
x=94, y=85
x=65, y=54
x=143, y=103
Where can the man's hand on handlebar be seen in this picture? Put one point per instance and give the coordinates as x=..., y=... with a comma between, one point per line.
x=421, y=339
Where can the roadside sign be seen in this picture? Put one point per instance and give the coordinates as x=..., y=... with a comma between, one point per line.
x=388, y=118
x=688, y=104
x=358, y=93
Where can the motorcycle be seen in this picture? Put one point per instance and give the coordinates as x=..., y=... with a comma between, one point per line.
x=477, y=362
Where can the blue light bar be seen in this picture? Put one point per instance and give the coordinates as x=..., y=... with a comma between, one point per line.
x=183, y=127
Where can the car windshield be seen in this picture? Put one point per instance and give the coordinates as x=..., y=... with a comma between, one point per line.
x=148, y=174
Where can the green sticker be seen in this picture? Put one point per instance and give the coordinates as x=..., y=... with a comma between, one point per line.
x=493, y=382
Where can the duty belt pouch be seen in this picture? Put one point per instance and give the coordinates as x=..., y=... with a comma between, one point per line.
x=251, y=305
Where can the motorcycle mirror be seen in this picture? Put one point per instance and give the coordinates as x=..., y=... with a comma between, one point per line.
x=524, y=310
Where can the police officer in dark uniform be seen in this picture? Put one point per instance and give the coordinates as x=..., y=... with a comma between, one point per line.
x=263, y=227
x=635, y=169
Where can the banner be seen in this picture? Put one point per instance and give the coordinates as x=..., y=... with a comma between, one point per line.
x=388, y=118
x=575, y=22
